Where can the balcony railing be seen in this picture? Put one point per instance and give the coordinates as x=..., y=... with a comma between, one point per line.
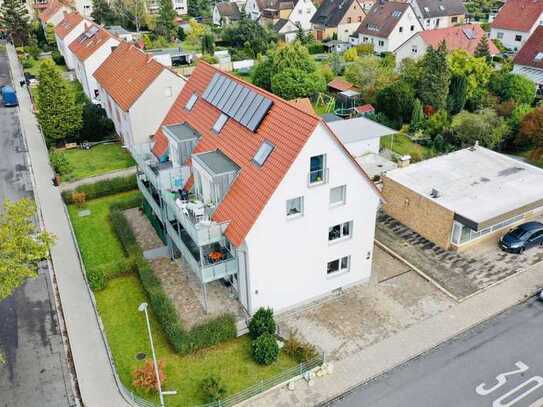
x=317, y=177
x=150, y=198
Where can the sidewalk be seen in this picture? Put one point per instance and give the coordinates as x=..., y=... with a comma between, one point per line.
x=68, y=186
x=409, y=343
x=92, y=365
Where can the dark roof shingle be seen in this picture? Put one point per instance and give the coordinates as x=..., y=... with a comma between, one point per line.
x=441, y=8
x=229, y=9
x=331, y=12
x=382, y=18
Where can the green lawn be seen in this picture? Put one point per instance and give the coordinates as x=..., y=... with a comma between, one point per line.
x=98, y=160
x=95, y=235
x=35, y=70
x=401, y=144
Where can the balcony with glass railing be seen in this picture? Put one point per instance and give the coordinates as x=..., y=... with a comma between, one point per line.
x=163, y=175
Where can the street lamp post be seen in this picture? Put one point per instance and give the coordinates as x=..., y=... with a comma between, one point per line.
x=143, y=308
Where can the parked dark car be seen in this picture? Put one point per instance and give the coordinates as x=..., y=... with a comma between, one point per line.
x=522, y=237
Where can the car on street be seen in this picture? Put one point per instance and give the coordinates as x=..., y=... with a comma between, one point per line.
x=523, y=237
x=9, y=97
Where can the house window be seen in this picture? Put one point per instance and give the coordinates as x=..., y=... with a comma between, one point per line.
x=500, y=36
x=437, y=22
x=359, y=19
x=427, y=23
x=219, y=124
x=349, y=19
x=337, y=195
x=401, y=29
x=191, y=102
x=317, y=169
x=412, y=28
x=518, y=38
x=338, y=265
x=454, y=19
x=295, y=207
x=365, y=39
x=263, y=153
x=168, y=92
x=381, y=43
x=414, y=50
x=300, y=11
x=341, y=231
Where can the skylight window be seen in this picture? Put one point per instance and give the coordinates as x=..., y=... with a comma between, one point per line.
x=191, y=102
x=539, y=57
x=263, y=153
x=219, y=124
x=396, y=13
x=426, y=9
x=441, y=7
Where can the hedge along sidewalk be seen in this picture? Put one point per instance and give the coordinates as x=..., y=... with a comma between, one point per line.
x=207, y=334
x=103, y=188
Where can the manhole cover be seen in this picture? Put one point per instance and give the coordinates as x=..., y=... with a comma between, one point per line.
x=140, y=356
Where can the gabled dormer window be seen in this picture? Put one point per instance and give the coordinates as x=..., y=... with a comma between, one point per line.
x=191, y=102
x=263, y=153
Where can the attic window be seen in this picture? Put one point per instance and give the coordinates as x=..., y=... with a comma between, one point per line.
x=263, y=153
x=219, y=124
x=441, y=7
x=539, y=57
x=396, y=13
x=372, y=27
x=191, y=102
x=426, y=9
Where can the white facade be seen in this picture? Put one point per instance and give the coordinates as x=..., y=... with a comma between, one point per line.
x=84, y=7
x=302, y=13
x=147, y=113
x=286, y=258
x=514, y=40
x=64, y=43
x=180, y=7
x=407, y=26
x=252, y=10
x=414, y=48
x=56, y=18
x=84, y=70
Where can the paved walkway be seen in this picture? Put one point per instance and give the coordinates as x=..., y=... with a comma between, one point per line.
x=92, y=365
x=409, y=343
x=68, y=186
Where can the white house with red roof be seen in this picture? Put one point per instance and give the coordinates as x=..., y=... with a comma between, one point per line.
x=136, y=91
x=54, y=13
x=89, y=51
x=71, y=27
x=465, y=37
x=282, y=214
x=516, y=21
x=529, y=60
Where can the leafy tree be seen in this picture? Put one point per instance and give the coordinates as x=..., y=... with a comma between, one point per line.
x=96, y=125
x=59, y=114
x=15, y=20
x=482, y=50
x=102, y=13
x=208, y=44
x=396, y=101
x=512, y=86
x=531, y=127
x=249, y=35
x=433, y=87
x=301, y=36
x=21, y=244
x=262, y=74
x=130, y=14
x=199, y=8
x=364, y=49
x=458, y=89
x=350, y=55
x=370, y=75
x=437, y=123
x=197, y=31
x=485, y=127
x=50, y=34
x=337, y=63
x=181, y=36
x=476, y=70
x=417, y=117
x=165, y=25
x=410, y=72
x=291, y=83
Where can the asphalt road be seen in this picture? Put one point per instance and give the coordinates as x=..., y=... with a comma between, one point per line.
x=497, y=364
x=36, y=369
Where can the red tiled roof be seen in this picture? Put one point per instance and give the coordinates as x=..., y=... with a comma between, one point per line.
x=51, y=9
x=303, y=104
x=70, y=21
x=532, y=47
x=340, y=84
x=254, y=185
x=126, y=73
x=457, y=38
x=84, y=47
x=518, y=15
x=365, y=109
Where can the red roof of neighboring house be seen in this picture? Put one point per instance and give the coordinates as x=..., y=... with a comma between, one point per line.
x=465, y=37
x=126, y=73
x=340, y=85
x=51, y=10
x=518, y=15
x=365, y=109
x=303, y=104
x=70, y=21
x=85, y=45
x=285, y=125
x=532, y=48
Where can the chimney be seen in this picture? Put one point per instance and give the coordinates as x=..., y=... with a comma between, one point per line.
x=404, y=161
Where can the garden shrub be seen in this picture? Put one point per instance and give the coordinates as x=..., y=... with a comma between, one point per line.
x=262, y=322
x=316, y=48
x=79, y=198
x=265, y=349
x=103, y=188
x=212, y=389
x=145, y=376
x=217, y=330
x=60, y=163
x=28, y=62
x=96, y=278
x=57, y=58
x=298, y=350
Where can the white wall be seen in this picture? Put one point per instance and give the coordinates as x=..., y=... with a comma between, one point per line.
x=252, y=10
x=84, y=7
x=64, y=43
x=508, y=36
x=287, y=258
x=56, y=18
x=92, y=63
x=413, y=48
x=344, y=31
x=216, y=16
x=302, y=13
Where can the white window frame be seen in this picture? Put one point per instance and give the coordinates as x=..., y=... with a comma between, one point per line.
x=342, y=235
x=301, y=206
x=343, y=193
x=342, y=268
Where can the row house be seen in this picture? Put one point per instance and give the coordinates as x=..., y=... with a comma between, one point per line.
x=282, y=214
x=136, y=91
x=338, y=19
x=516, y=21
x=71, y=27
x=529, y=60
x=387, y=26
x=225, y=13
x=180, y=7
x=53, y=14
x=439, y=13
x=89, y=51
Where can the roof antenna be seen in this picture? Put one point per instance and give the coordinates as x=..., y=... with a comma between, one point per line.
x=475, y=146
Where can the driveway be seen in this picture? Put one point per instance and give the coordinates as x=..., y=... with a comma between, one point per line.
x=395, y=298
x=460, y=274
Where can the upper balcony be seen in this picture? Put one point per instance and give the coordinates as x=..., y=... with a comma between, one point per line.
x=164, y=176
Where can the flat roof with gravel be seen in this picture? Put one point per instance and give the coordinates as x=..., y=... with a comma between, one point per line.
x=479, y=185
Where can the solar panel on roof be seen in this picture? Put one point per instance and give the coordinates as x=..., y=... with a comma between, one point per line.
x=246, y=103
x=239, y=101
x=259, y=114
x=220, y=92
x=227, y=95
x=215, y=88
x=233, y=97
x=251, y=110
x=211, y=85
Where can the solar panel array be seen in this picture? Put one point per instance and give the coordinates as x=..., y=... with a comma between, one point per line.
x=87, y=35
x=237, y=101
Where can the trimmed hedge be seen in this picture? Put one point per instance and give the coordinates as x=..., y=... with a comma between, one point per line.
x=103, y=188
x=201, y=336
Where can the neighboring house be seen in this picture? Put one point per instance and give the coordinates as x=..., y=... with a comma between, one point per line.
x=136, y=91
x=286, y=30
x=302, y=13
x=338, y=85
x=122, y=33
x=225, y=13
x=516, y=21
x=387, y=26
x=180, y=6
x=84, y=7
x=465, y=37
x=273, y=204
x=529, y=60
x=53, y=14
x=268, y=11
x=464, y=197
x=439, y=13
x=71, y=27
x=89, y=51
x=337, y=19
x=337, y=46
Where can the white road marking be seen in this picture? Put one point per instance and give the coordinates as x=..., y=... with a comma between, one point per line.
x=501, y=378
